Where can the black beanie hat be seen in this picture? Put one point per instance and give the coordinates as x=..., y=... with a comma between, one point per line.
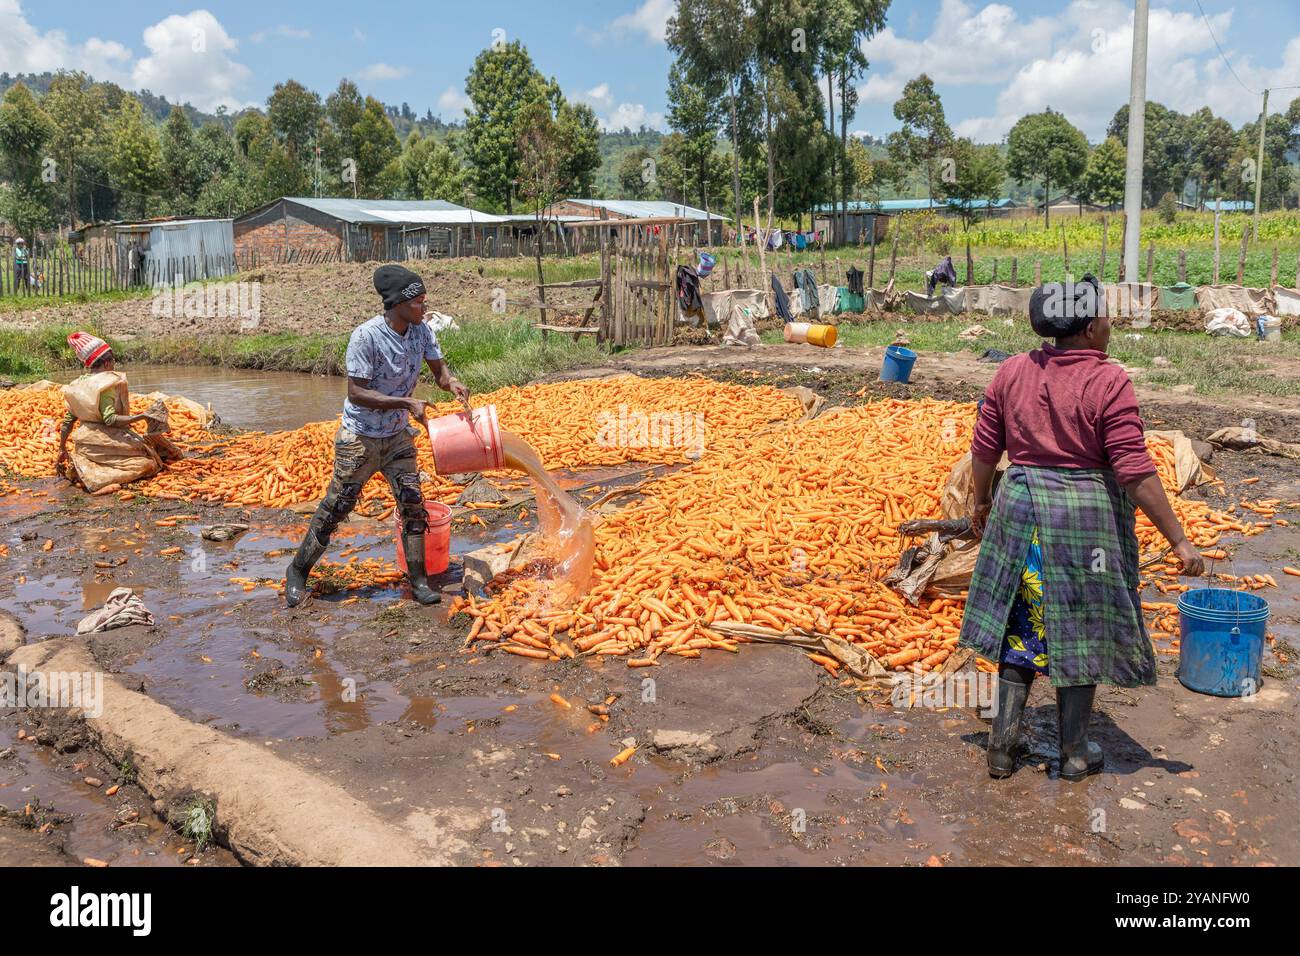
x=1059, y=310
x=397, y=285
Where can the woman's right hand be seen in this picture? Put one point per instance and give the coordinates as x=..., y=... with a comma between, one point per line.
x=1193, y=563
x=979, y=518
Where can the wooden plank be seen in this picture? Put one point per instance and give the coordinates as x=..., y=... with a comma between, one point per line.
x=580, y=284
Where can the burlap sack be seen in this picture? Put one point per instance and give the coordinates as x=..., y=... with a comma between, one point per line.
x=106, y=455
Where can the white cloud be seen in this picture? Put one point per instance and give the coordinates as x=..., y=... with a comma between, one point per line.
x=283, y=31
x=24, y=49
x=359, y=34
x=190, y=57
x=383, y=71
x=650, y=18
x=1076, y=61
x=453, y=101
x=599, y=97
x=191, y=61
x=633, y=116
x=971, y=46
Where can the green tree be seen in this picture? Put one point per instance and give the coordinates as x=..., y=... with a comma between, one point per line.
x=677, y=172
x=1212, y=141
x=1167, y=151
x=181, y=174
x=501, y=85
x=432, y=170
x=1047, y=146
x=344, y=107
x=1103, y=178
x=637, y=180
x=579, y=134
x=135, y=163
x=714, y=42
x=377, y=152
x=862, y=169
x=1167, y=208
x=25, y=132
x=924, y=136
x=77, y=108
x=846, y=23
x=694, y=116
x=294, y=111
x=977, y=177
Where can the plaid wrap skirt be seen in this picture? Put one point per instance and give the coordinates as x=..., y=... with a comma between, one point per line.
x=1092, y=613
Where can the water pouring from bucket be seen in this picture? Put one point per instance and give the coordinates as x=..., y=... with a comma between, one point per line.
x=473, y=441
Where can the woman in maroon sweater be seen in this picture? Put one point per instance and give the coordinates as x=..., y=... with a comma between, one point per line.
x=1054, y=591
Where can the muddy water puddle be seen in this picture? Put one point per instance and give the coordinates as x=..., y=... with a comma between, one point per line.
x=91, y=825
x=261, y=401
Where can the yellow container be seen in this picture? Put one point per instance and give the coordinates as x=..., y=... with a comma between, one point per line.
x=823, y=336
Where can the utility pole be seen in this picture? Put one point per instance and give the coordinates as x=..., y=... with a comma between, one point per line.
x=1259, y=167
x=1137, y=115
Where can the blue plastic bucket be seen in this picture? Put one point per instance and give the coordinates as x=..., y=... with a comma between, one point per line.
x=1222, y=641
x=898, y=365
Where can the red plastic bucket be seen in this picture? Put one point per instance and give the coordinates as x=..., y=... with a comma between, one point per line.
x=437, y=539
x=462, y=445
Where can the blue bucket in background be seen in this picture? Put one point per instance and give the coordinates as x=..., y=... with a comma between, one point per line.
x=1222, y=641
x=898, y=365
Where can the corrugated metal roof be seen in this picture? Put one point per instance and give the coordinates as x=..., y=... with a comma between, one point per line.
x=392, y=211
x=645, y=209
x=914, y=205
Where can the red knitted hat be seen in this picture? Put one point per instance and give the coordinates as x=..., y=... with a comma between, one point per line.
x=89, y=349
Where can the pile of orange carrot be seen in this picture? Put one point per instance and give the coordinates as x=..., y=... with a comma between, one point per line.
x=793, y=529
x=571, y=424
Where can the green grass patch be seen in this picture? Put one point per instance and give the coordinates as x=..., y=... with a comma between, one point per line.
x=25, y=303
x=486, y=353
x=30, y=355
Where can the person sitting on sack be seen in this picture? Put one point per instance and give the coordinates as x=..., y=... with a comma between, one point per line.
x=1055, y=587
x=106, y=451
x=384, y=359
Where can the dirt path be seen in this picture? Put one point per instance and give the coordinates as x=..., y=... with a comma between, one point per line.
x=377, y=712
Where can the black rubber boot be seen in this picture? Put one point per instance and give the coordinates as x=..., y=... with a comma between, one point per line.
x=413, y=544
x=1080, y=757
x=295, y=578
x=1013, y=692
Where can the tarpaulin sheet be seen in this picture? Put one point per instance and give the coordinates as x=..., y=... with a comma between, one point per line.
x=1249, y=301
x=717, y=305
x=998, y=299
x=1181, y=296
x=1288, y=301
x=1126, y=300
x=829, y=297
x=949, y=303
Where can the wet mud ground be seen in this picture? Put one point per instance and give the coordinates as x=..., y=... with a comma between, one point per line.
x=756, y=758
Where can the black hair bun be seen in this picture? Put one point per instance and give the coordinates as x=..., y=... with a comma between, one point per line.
x=1059, y=310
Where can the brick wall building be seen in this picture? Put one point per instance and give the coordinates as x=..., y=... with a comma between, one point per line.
x=296, y=229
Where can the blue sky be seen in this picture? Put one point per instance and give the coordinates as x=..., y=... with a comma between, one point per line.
x=992, y=62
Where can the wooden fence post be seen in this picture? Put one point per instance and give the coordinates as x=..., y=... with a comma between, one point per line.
x=1105, y=237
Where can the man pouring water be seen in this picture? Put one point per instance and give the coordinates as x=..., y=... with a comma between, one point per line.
x=384, y=359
